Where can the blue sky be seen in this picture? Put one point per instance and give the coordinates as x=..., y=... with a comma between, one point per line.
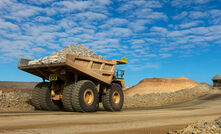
x=163, y=39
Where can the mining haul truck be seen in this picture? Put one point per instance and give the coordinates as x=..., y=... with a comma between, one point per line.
x=77, y=84
x=217, y=81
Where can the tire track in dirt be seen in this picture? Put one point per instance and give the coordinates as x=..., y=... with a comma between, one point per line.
x=88, y=123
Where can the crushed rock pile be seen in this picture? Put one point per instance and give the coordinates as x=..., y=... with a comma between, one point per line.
x=14, y=101
x=160, y=85
x=59, y=57
x=166, y=99
x=201, y=127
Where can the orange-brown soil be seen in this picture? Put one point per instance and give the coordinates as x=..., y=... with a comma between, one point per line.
x=160, y=85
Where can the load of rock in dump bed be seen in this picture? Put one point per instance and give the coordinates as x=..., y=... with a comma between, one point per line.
x=59, y=57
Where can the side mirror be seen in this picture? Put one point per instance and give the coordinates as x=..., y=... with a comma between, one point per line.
x=123, y=72
x=123, y=59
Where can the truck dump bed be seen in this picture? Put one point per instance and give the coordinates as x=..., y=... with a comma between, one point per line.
x=99, y=69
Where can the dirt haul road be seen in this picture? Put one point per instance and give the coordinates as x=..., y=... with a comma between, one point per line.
x=159, y=120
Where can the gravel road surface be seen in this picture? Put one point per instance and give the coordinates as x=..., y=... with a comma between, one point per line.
x=146, y=121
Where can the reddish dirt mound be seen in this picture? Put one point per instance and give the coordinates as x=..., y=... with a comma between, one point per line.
x=15, y=89
x=160, y=85
x=17, y=85
x=8, y=86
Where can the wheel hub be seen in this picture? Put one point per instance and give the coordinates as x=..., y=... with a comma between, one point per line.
x=116, y=97
x=88, y=96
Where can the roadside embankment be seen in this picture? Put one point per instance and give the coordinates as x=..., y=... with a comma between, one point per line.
x=166, y=99
x=201, y=127
x=20, y=101
x=15, y=101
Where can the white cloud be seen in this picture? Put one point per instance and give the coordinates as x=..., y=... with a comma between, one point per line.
x=89, y=16
x=103, y=2
x=150, y=55
x=139, y=25
x=140, y=32
x=197, y=14
x=201, y=30
x=19, y=11
x=80, y=30
x=149, y=4
x=166, y=55
x=135, y=67
x=167, y=49
x=187, y=46
x=213, y=16
x=8, y=25
x=216, y=16
x=112, y=22
x=201, y=1
x=176, y=41
x=141, y=3
x=72, y=5
x=159, y=29
x=141, y=13
x=146, y=13
x=190, y=24
x=119, y=32
x=138, y=41
x=182, y=3
x=152, y=65
x=38, y=2
x=215, y=13
x=181, y=15
x=19, y=48
x=4, y=4
x=44, y=19
x=67, y=23
x=76, y=6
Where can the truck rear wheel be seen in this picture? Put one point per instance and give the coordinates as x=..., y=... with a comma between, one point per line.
x=45, y=99
x=66, y=97
x=113, y=100
x=35, y=99
x=85, y=96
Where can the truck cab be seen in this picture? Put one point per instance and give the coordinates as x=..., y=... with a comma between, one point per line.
x=119, y=77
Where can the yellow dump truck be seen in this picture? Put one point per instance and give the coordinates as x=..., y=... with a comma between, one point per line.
x=77, y=84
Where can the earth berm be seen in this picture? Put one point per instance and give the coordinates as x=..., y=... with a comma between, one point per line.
x=201, y=127
x=18, y=101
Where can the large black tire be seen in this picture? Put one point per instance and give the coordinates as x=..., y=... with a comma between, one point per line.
x=108, y=101
x=35, y=99
x=45, y=99
x=66, y=97
x=78, y=95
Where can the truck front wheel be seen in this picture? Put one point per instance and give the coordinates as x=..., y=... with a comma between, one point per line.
x=113, y=100
x=85, y=96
